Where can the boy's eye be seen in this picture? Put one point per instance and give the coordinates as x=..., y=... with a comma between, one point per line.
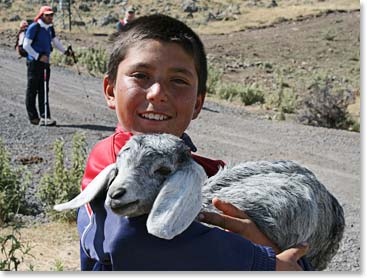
x=139, y=75
x=180, y=81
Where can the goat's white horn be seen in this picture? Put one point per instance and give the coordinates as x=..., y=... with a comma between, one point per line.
x=91, y=191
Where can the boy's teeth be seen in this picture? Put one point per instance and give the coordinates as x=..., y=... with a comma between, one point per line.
x=156, y=117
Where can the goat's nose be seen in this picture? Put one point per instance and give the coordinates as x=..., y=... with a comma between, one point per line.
x=117, y=193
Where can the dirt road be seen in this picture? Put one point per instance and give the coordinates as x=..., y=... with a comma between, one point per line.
x=225, y=132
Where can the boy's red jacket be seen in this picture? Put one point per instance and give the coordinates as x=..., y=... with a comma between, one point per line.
x=105, y=152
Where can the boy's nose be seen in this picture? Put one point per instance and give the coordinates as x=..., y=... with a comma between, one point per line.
x=157, y=92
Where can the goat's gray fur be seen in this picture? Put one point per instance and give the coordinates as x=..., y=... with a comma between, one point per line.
x=154, y=174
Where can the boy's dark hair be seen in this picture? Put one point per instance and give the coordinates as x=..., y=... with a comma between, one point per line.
x=163, y=28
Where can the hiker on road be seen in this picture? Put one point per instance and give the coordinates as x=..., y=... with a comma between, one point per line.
x=129, y=16
x=38, y=42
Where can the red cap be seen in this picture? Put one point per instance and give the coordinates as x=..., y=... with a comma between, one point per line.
x=43, y=10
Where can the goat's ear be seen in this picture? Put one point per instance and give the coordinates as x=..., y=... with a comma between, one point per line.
x=178, y=202
x=100, y=182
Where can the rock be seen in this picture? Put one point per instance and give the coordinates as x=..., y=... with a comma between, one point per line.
x=106, y=20
x=15, y=18
x=273, y=4
x=84, y=7
x=189, y=6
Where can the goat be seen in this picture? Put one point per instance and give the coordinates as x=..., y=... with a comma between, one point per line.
x=155, y=174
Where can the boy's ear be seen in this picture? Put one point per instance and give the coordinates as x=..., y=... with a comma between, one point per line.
x=109, y=93
x=198, y=106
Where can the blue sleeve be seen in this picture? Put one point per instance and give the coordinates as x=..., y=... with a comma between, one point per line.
x=31, y=31
x=305, y=264
x=264, y=258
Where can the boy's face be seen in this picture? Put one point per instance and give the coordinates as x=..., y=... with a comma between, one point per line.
x=155, y=90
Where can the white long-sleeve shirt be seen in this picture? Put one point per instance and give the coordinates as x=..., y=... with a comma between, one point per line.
x=27, y=43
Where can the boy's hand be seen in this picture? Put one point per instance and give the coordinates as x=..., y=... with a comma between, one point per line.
x=287, y=260
x=236, y=221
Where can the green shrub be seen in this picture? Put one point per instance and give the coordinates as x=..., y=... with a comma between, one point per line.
x=12, y=251
x=58, y=266
x=13, y=184
x=250, y=94
x=289, y=101
x=63, y=184
x=285, y=100
x=227, y=91
x=95, y=60
x=214, y=78
x=91, y=59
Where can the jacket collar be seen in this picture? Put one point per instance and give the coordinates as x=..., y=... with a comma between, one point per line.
x=44, y=25
x=185, y=137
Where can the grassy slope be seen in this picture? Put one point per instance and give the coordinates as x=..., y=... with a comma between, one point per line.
x=251, y=15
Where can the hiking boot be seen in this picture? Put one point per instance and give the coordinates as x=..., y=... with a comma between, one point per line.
x=35, y=121
x=49, y=122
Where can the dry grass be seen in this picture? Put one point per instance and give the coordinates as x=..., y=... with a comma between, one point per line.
x=51, y=243
x=355, y=108
x=251, y=16
x=254, y=17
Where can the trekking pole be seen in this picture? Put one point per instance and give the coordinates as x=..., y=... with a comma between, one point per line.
x=70, y=49
x=45, y=93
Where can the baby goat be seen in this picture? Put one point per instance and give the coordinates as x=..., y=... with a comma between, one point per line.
x=155, y=174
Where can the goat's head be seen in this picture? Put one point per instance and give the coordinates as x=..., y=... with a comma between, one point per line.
x=155, y=174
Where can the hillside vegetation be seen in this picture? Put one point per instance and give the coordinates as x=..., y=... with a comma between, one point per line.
x=205, y=16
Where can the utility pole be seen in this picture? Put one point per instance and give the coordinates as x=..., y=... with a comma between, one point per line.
x=69, y=8
x=62, y=8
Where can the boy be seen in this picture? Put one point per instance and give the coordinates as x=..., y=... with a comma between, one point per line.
x=156, y=82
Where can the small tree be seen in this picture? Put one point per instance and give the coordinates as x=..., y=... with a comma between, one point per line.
x=325, y=106
x=13, y=184
x=63, y=184
x=12, y=250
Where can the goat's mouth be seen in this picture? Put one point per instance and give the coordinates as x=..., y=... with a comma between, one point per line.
x=124, y=209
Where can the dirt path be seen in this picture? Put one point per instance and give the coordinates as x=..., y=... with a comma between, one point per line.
x=225, y=132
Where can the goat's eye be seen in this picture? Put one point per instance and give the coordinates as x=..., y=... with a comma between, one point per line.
x=164, y=171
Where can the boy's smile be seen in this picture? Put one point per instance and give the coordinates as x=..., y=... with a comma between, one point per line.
x=156, y=89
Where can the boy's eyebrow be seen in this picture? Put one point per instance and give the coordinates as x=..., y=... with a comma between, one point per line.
x=175, y=69
x=183, y=70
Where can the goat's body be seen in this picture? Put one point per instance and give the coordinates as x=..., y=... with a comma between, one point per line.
x=287, y=203
x=155, y=174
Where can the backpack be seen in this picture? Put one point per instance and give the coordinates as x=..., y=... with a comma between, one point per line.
x=19, y=44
